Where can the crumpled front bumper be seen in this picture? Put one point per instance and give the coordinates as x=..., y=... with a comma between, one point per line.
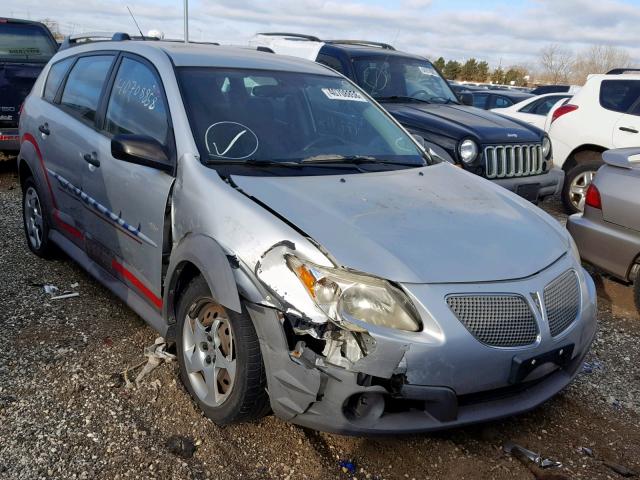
x=443, y=377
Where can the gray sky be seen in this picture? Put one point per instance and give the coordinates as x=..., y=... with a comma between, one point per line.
x=494, y=30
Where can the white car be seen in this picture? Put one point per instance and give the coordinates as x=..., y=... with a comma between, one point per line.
x=604, y=114
x=533, y=110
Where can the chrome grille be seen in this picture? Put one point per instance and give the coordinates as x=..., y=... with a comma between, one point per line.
x=500, y=320
x=505, y=161
x=562, y=302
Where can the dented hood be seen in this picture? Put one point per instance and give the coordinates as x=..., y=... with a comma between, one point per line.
x=435, y=224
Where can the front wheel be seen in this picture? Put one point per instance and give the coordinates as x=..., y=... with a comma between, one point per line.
x=219, y=356
x=576, y=182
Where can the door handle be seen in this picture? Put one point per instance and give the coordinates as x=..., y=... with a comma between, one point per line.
x=92, y=159
x=44, y=129
x=628, y=129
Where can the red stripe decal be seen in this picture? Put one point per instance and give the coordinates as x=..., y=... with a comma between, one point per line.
x=118, y=267
x=27, y=137
x=71, y=230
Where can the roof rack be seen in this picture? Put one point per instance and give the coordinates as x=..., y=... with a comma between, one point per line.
x=80, y=38
x=364, y=43
x=300, y=36
x=620, y=71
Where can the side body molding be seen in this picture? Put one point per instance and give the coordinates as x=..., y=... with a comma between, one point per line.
x=209, y=257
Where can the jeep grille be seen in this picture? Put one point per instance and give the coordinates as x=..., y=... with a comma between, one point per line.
x=506, y=161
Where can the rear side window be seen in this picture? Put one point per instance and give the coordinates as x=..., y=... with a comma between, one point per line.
x=502, y=102
x=81, y=93
x=619, y=95
x=54, y=79
x=330, y=62
x=479, y=100
x=137, y=105
x=25, y=42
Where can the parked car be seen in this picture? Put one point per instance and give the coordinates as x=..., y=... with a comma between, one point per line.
x=301, y=249
x=508, y=152
x=545, y=89
x=25, y=48
x=498, y=98
x=608, y=231
x=604, y=114
x=533, y=110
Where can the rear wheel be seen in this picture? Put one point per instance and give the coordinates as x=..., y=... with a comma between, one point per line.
x=219, y=356
x=576, y=182
x=35, y=220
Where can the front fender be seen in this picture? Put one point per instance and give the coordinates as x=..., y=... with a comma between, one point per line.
x=212, y=262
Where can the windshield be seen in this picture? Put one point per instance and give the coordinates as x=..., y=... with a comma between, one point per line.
x=19, y=41
x=402, y=78
x=250, y=116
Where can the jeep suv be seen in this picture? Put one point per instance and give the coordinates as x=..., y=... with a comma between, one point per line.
x=507, y=151
x=25, y=48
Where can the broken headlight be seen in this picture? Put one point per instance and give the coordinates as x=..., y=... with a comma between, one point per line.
x=349, y=298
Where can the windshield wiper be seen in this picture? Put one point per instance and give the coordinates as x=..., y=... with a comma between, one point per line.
x=354, y=159
x=401, y=98
x=255, y=162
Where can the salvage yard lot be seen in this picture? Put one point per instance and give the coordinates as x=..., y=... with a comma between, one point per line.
x=66, y=413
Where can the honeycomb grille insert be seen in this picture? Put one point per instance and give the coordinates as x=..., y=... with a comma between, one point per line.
x=496, y=320
x=562, y=302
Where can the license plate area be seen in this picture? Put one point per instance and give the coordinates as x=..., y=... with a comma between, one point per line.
x=521, y=367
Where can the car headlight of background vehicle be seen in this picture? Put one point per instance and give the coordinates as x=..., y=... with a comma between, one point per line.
x=546, y=147
x=348, y=298
x=468, y=150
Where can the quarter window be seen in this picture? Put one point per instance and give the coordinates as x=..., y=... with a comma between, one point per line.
x=82, y=91
x=502, y=102
x=619, y=95
x=55, y=77
x=137, y=104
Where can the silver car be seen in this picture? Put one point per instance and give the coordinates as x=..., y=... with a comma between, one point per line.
x=302, y=250
x=608, y=232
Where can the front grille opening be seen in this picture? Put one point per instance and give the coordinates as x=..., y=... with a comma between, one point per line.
x=506, y=161
x=497, y=320
x=562, y=302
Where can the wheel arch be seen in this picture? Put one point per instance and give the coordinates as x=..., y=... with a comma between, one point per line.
x=583, y=154
x=198, y=254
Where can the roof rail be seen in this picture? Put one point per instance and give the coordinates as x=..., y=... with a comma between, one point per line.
x=620, y=71
x=364, y=43
x=301, y=36
x=73, y=40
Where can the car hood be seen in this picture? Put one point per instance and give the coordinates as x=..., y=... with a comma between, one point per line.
x=436, y=224
x=462, y=120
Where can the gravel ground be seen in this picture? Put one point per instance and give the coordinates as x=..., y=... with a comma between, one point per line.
x=66, y=413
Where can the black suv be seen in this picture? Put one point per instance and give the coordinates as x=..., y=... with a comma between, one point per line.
x=25, y=48
x=510, y=152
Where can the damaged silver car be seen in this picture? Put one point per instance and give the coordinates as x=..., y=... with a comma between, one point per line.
x=303, y=251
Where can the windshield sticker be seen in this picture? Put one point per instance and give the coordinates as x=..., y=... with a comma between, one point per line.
x=230, y=140
x=132, y=90
x=343, y=94
x=426, y=71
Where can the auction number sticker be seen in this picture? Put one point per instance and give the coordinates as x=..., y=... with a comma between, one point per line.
x=343, y=94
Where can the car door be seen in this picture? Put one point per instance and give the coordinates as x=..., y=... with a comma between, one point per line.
x=126, y=224
x=65, y=135
x=626, y=131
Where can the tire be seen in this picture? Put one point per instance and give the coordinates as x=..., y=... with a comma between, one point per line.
x=576, y=182
x=636, y=291
x=212, y=343
x=35, y=219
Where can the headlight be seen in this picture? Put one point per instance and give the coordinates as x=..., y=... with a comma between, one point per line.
x=546, y=147
x=349, y=298
x=468, y=150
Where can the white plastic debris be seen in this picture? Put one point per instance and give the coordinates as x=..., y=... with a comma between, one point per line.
x=156, y=354
x=535, y=458
x=52, y=290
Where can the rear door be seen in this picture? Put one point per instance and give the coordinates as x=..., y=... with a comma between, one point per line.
x=126, y=222
x=623, y=96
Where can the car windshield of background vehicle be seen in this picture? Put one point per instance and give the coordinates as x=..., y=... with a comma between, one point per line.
x=245, y=116
x=402, y=78
x=20, y=41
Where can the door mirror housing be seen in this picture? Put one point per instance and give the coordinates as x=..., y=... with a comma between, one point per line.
x=466, y=98
x=141, y=150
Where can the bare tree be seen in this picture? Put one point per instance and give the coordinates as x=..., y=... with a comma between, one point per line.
x=599, y=59
x=556, y=62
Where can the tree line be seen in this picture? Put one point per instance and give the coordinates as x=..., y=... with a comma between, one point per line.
x=473, y=70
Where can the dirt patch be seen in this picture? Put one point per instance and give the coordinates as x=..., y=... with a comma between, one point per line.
x=65, y=412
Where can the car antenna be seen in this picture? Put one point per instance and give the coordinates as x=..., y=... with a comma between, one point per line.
x=134, y=21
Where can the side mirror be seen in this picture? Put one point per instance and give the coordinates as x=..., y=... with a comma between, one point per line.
x=466, y=98
x=141, y=150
